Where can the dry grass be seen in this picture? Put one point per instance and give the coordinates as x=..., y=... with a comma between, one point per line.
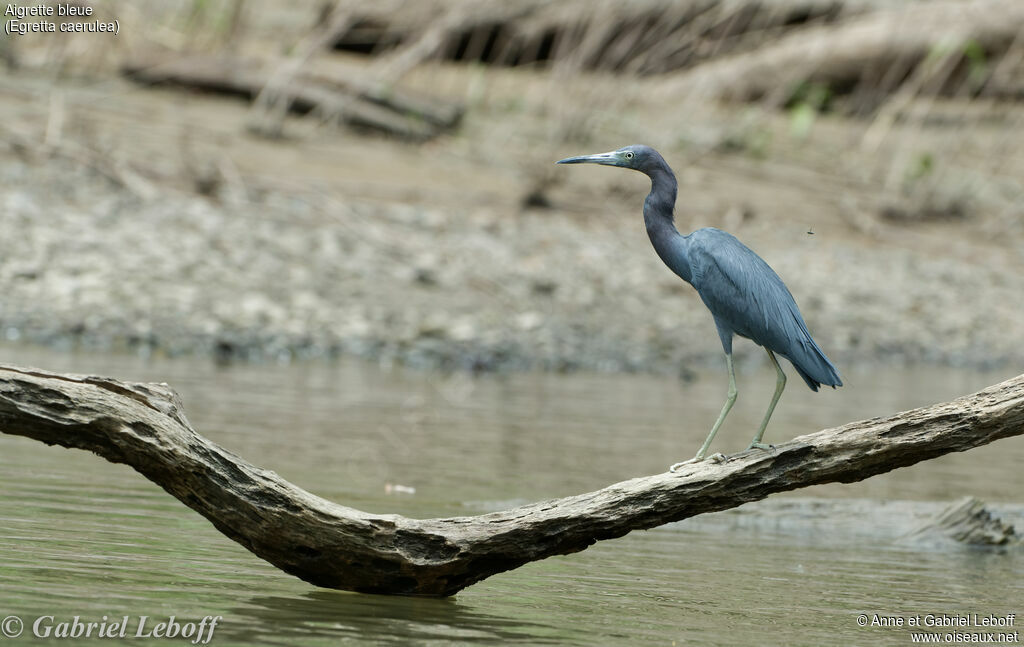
x=930, y=170
x=941, y=140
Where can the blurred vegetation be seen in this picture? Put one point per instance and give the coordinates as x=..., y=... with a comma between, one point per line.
x=922, y=91
x=868, y=122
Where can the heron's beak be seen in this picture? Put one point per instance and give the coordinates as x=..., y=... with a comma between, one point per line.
x=611, y=158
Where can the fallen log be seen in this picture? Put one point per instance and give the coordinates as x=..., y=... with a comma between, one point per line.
x=386, y=110
x=330, y=545
x=969, y=522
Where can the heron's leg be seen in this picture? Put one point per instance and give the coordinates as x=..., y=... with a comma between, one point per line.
x=780, y=384
x=729, y=401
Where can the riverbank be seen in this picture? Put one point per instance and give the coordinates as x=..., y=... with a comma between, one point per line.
x=307, y=275
x=157, y=219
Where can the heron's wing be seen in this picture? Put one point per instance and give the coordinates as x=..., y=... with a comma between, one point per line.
x=742, y=290
x=744, y=293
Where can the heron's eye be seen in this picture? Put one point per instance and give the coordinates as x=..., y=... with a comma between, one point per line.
x=629, y=155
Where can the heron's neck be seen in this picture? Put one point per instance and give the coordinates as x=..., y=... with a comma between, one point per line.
x=672, y=247
x=661, y=201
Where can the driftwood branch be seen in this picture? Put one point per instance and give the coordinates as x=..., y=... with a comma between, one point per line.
x=330, y=545
x=386, y=110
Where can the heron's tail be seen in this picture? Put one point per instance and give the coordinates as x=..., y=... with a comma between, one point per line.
x=812, y=365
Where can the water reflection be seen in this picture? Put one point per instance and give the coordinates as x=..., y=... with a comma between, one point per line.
x=334, y=615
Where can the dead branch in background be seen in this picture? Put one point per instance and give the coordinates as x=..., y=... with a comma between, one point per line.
x=397, y=113
x=51, y=145
x=871, y=55
x=644, y=37
x=273, y=101
x=720, y=49
x=329, y=545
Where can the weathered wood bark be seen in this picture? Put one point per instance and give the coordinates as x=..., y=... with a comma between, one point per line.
x=968, y=521
x=330, y=545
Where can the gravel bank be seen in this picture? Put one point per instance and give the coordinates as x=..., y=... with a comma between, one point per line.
x=281, y=277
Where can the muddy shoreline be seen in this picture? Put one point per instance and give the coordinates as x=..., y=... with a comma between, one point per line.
x=296, y=276
x=165, y=219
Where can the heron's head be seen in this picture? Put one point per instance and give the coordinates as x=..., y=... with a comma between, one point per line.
x=637, y=157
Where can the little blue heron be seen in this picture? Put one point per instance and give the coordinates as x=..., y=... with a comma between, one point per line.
x=745, y=296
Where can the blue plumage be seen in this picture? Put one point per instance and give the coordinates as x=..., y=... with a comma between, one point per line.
x=745, y=296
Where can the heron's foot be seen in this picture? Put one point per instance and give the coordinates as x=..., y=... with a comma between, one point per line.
x=761, y=446
x=714, y=458
x=675, y=467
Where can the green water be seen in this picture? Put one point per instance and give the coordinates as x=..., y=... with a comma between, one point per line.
x=81, y=537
